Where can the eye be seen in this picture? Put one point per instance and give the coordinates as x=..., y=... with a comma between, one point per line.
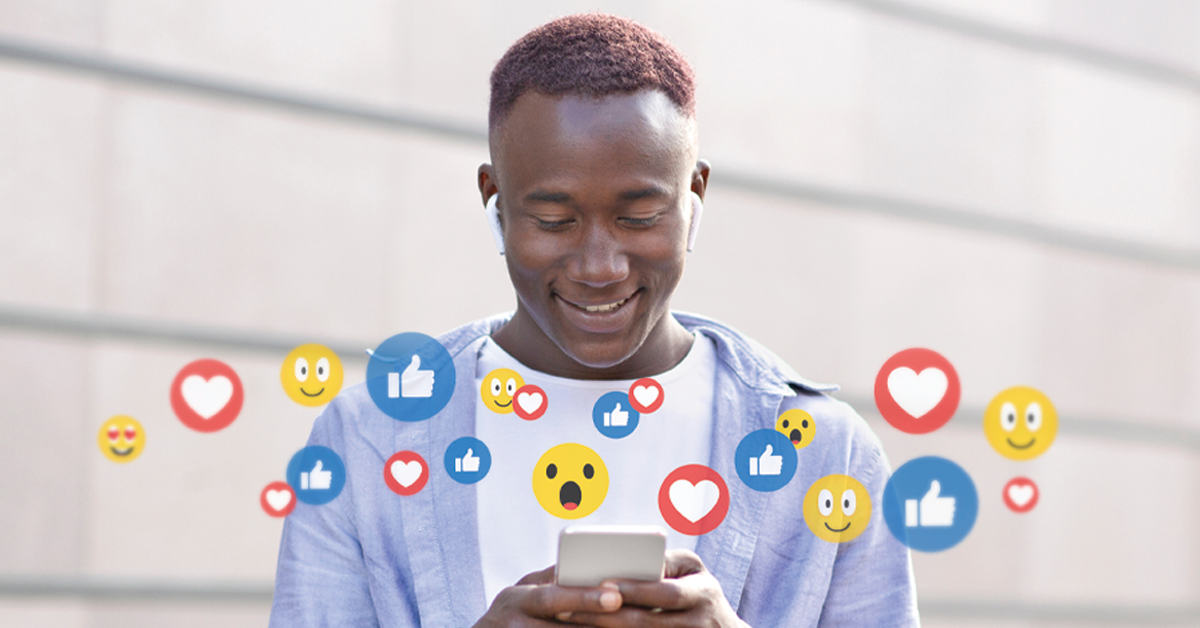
x=114, y=433
x=1033, y=416
x=130, y=433
x=825, y=502
x=322, y=369
x=551, y=471
x=553, y=225
x=804, y=424
x=849, y=502
x=511, y=387
x=495, y=387
x=301, y=369
x=639, y=222
x=1008, y=416
x=588, y=471
x=785, y=424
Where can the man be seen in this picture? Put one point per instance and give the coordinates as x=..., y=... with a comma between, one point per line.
x=598, y=189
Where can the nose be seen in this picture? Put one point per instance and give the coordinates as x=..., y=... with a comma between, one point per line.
x=601, y=258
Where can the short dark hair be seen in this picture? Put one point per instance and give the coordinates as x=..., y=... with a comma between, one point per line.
x=594, y=55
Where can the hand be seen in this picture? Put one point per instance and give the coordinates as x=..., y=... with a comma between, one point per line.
x=469, y=463
x=415, y=382
x=536, y=601
x=766, y=464
x=935, y=510
x=319, y=480
x=616, y=418
x=688, y=595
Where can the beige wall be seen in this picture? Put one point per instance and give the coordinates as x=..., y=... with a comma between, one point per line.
x=135, y=201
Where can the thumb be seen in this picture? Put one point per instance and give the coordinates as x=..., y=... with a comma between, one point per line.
x=319, y=466
x=935, y=488
x=469, y=452
x=767, y=453
x=618, y=409
x=415, y=364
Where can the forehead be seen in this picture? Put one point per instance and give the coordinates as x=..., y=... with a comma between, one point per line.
x=643, y=132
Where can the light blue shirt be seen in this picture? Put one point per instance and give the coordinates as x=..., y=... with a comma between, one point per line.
x=372, y=558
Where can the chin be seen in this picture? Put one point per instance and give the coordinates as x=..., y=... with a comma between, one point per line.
x=599, y=355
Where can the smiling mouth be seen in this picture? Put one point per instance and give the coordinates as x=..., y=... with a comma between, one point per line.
x=570, y=496
x=1025, y=446
x=316, y=394
x=603, y=308
x=502, y=405
x=844, y=528
x=121, y=452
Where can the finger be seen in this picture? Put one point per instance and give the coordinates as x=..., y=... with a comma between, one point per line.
x=673, y=594
x=549, y=600
x=681, y=562
x=628, y=616
x=545, y=576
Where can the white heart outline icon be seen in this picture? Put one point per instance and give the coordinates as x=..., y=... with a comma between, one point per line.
x=694, y=501
x=279, y=499
x=1020, y=494
x=917, y=394
x=406, y=473
x=530, y=401
x=206, y=397
x=645, y=395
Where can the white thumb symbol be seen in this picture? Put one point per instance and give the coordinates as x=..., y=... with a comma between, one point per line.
x=414, y=365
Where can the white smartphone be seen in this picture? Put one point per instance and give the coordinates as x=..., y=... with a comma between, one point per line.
x=591, y=554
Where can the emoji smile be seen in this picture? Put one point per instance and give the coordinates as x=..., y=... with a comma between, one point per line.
x=843, y=529
x=1025, y=446
x=121, y=452
x=796, y=436
x=502, y=405
x=570, y=496
x=316, y=394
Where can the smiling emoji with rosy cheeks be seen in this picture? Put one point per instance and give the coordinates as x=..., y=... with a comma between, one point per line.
x=311, y=375
x=595, y=208
x=121, y=439
x=499, y=388
x=570, y=481
x=1020, y=423
x=837, y=508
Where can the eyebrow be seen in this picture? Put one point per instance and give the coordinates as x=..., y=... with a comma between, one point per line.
x=561, y=198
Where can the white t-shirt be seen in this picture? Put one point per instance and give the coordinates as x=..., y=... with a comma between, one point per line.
x=516, y=534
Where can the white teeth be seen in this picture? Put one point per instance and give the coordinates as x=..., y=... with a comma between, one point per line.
x=605, y=308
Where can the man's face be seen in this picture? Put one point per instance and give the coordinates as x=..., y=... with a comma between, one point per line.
x=595, y=207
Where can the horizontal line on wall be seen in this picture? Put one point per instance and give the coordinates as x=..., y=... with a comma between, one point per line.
x=897, y=207
x=102, y=589
x=130, y=329
x=1031, y=42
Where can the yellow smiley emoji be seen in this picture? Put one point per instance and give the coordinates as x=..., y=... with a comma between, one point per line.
x=121, y=438
x=837, y=508
x=570, y=481
x=311, y=375
x=798, y=426
x=498, y=388
x=1020, y=423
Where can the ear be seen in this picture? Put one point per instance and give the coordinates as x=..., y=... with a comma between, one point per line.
x=694, y=224
x=493, y=218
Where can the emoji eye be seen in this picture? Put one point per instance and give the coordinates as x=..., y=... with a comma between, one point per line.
x=825, y=502
x=511, y=387
x=849, y=502
x=785, y=424
x=322, y=369
x=1033, y=416
x=301, y=369
x=496, y=389
x=588, y=471
x=1008, y=416
x=114, y=433
x=551, y=470
x=804, y=424
x=130, y=433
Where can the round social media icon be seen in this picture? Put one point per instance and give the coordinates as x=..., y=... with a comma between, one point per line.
x=917, y=391
x=930, y=504
x=765, y=460
x=614, y=416
x=499, y=390
x=570, y=481
x=206, y=395
x=410, y=377
x=693, y=499
x=278, y=499
x=798, y=426
x=406, y=473
x=316, y=474
x=121, y=438
x=1020, y=423
x=837, y=508
x=646, y=395
x=468, y=460
x=311, y=375
x=1020, y=495
x=530, y=402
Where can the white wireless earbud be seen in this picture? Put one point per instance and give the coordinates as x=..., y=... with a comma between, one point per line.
x=493, y=218
x=694, y=227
